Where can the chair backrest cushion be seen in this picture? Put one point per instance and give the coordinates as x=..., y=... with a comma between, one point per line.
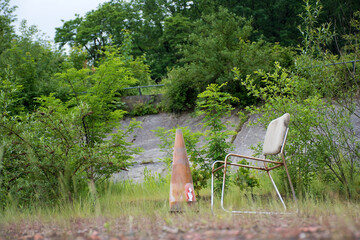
x=275, y=134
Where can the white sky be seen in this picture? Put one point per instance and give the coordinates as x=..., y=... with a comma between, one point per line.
x=47, y=14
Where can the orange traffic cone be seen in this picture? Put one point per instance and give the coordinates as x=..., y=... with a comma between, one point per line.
x=181, y=185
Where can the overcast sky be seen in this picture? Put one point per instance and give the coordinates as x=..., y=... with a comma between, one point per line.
x=47, y=14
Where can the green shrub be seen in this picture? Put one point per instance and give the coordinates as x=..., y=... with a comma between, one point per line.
x=243, y=178
x=181, y=91
x=213, y=105
x=64, y=148
x=219, y=43
x=145, y=108
x=322, y=143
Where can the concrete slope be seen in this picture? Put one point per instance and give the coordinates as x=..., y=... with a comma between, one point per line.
x=151, y=157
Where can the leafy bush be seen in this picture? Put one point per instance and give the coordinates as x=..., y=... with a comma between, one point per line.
x=33, y=63
x=55, y=152
x=243, y=178
x=145, y=108
x=213, y=105
x=322, y=142
x=219, y=43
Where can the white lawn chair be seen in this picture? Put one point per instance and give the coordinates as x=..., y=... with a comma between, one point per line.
x=274, y=143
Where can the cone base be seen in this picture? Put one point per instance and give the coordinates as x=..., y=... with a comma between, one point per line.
x=178, y=207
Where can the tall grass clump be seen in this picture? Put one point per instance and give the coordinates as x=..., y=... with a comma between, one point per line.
x=125, y=198
x=128, y=197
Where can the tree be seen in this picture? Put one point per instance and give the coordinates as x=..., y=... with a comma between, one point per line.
x=6, y=27
x=100, y=27
x=167, y=53
x=33, y=62
x=150, y=22
x=218, y=43
x=209, y=55
x=316, y=37
x=274, y=21
x=67, y=33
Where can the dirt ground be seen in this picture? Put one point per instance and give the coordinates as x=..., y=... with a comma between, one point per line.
x=179, y=227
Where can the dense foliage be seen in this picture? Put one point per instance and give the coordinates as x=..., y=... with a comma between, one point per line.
x=323, y=146
x=6, y=22
x=214, y=49
x=204, y=40
x=161, y=27
x=57, y=116
x=33, y=62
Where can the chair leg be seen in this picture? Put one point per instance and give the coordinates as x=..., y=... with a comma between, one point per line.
x=288, y=176
x=223, y=190
x=290, y=183
x=248, y=212
x=212, y=184
x=223, y=184
x=276, y=189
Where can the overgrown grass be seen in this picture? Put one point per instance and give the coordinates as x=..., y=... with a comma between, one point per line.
x=150, y=200
x=114, y=200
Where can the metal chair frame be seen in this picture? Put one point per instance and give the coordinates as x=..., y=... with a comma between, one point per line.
x=265, y=168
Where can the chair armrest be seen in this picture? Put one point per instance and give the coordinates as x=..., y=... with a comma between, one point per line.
x=251, y=158
x=213, y=166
